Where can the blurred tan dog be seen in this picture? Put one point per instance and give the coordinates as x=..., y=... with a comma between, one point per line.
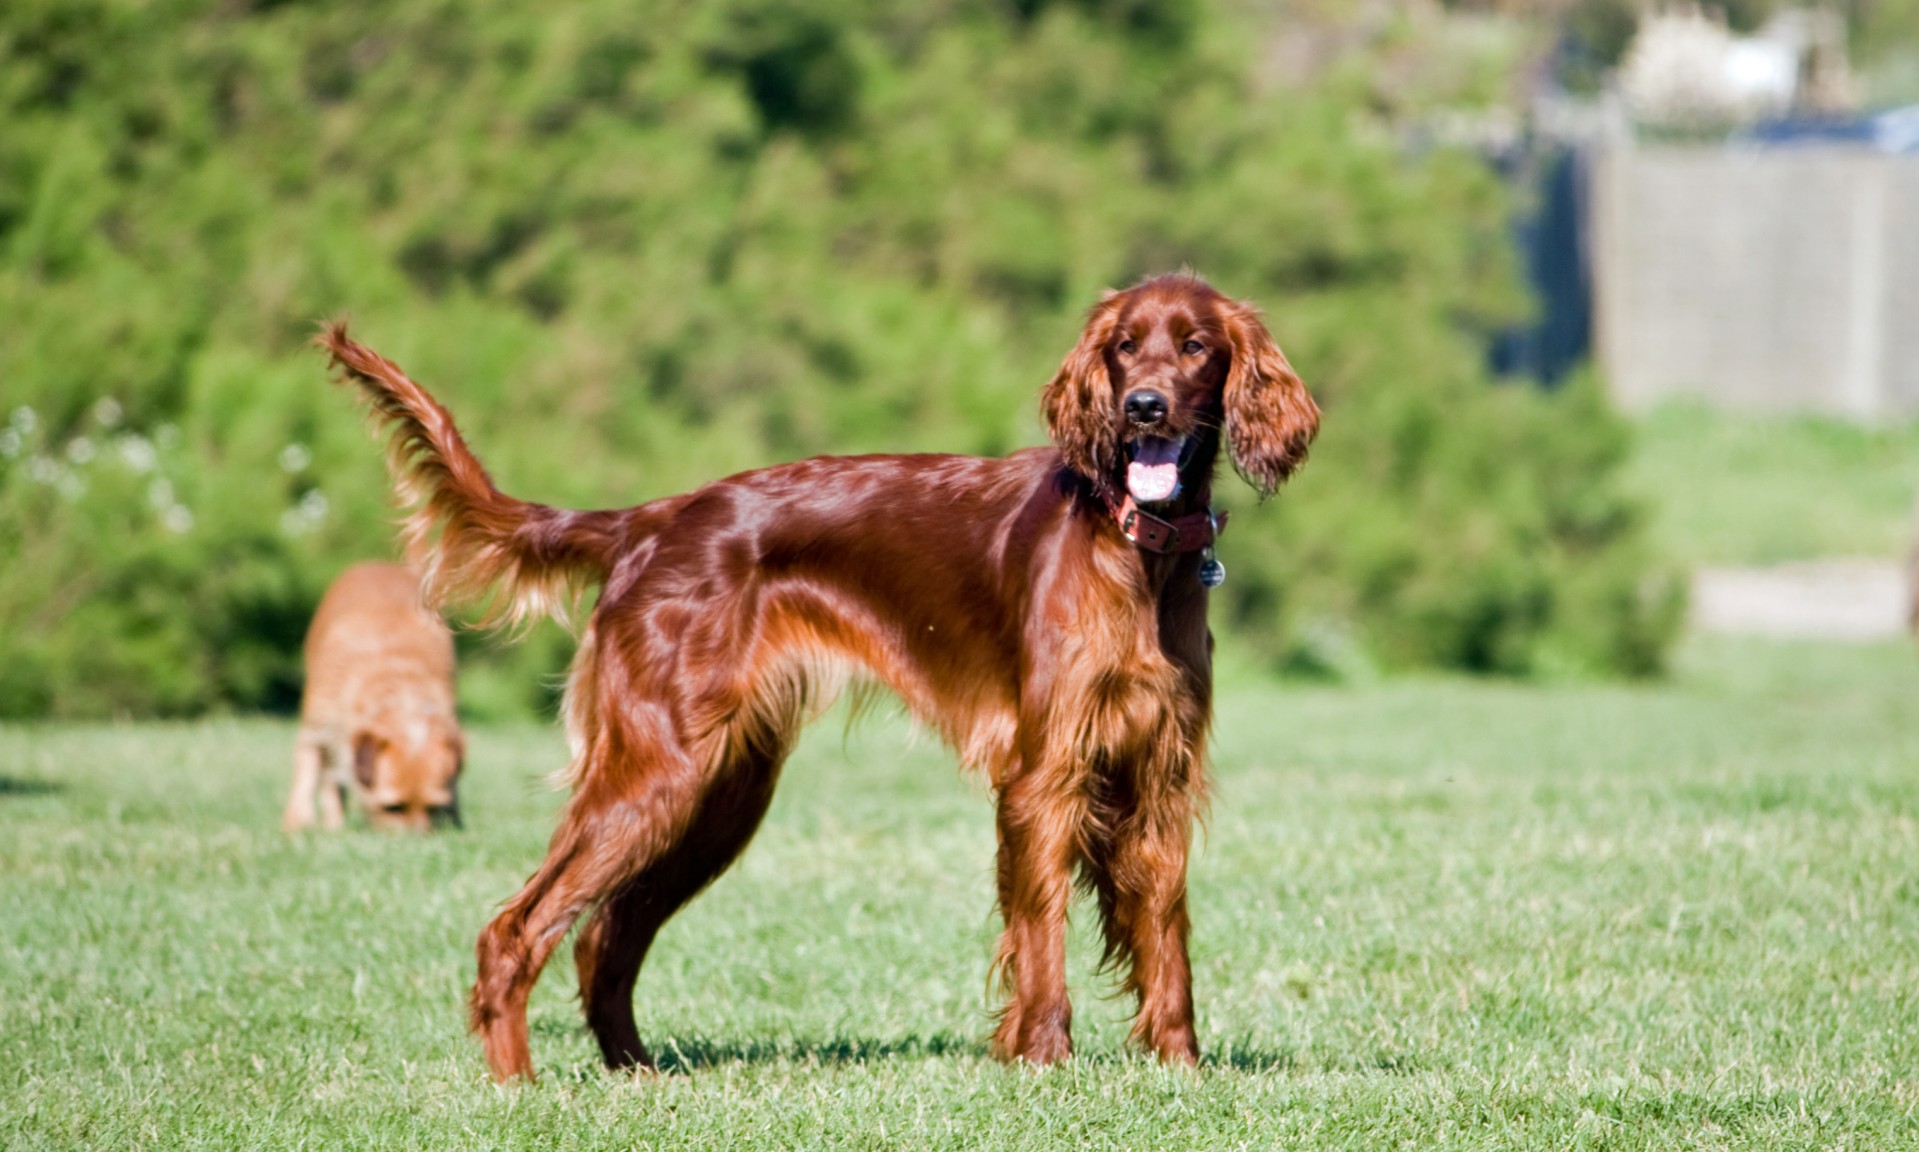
x=377, y=717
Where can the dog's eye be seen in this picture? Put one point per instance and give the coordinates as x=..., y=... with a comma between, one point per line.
x=394, y=809
x=1192, y=348
x=1127, y=347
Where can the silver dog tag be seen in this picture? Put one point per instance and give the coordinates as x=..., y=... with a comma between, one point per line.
x=1211, y=572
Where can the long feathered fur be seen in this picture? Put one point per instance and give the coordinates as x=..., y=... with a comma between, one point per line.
x=473, y=544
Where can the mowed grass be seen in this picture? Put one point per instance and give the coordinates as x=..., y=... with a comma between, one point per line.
x=1428, y=914
x=1733, y=489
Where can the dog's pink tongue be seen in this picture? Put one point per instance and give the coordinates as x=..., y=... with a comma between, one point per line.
x=1153, y=474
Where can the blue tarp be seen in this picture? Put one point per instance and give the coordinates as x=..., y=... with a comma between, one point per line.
x=1892, y=130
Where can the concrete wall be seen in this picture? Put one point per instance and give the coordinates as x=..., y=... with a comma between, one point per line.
x=1784, y=279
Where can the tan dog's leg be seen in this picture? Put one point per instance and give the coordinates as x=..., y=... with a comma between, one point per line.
x=333, y=754
x=306, y=782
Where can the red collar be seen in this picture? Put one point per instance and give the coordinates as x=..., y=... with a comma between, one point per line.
x=1190, y=533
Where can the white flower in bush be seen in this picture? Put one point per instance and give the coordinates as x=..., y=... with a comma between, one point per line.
x=136, y=452
x=107, y=412
x=177, y=518
x=306, y=515
x=160, y=493
x=295, y=458
x=80, y=450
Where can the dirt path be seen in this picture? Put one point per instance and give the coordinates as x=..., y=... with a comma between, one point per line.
x=1845, y=599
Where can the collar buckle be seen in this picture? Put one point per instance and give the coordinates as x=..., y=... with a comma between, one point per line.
x=1149, y=531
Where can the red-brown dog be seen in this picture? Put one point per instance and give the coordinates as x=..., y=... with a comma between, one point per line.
x=377, y=717
x=1046, y=613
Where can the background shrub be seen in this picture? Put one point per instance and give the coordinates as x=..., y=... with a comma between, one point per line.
x=639, y=244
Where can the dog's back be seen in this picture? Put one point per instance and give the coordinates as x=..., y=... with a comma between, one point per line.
x=377, y=716
x=371, y=636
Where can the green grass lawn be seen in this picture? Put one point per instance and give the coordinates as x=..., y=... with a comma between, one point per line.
x=1729, y=489
x=1428, y=914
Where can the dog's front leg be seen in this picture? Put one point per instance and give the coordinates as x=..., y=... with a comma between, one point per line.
x=306, y=782
x=1039, y=821
x=335, y=755
x=1143, y=896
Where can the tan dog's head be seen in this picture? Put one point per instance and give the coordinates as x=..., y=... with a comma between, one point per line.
x=408, y=771
x=1160, y=367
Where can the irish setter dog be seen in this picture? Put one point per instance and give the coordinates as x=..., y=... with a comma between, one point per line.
x=1045, y=613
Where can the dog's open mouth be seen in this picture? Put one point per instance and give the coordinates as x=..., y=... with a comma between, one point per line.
x=1152, y=476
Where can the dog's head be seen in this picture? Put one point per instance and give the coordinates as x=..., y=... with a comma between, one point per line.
x=408, y=771
x=1160, y=368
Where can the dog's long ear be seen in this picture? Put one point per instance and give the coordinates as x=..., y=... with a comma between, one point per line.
x=1270, y=417
x=1078, y=404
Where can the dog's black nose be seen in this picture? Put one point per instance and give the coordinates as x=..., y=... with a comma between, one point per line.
x=1143, y=407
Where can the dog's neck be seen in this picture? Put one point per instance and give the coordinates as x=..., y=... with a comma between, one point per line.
x=1184, y=523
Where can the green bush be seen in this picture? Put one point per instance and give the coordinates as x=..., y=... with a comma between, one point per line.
x=638, y=244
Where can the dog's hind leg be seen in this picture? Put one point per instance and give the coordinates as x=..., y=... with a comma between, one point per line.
x=593, y=853
x=614, y=943
x=659, y=823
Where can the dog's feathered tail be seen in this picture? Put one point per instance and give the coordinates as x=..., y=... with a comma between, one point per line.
x=474, y=545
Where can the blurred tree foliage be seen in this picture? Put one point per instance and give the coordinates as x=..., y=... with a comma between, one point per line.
x=637, y=244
